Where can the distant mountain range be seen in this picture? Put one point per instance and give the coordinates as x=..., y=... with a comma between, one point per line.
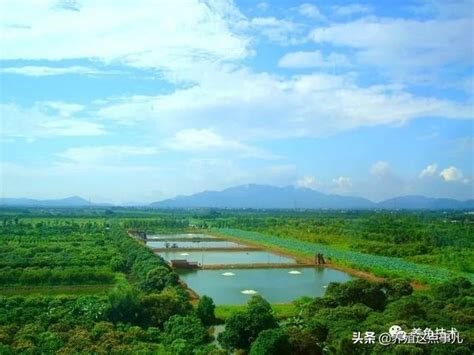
x=426, y=203
x=264, y=197
x=73, y=201
x=290, y=197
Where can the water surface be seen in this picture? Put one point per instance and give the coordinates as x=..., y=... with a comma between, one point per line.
x=275, y=285
x=195, y=244
x=179, y=235
x=227, y=257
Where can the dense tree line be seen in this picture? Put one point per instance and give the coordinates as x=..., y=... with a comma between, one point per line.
x=162, y=224
x=55, y=276
x=147, y=311
x=326, y=325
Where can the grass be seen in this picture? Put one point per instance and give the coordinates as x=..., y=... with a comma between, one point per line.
x=281, y=311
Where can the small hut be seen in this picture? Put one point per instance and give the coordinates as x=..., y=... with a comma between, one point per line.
x=184, y=264
x=319, y=259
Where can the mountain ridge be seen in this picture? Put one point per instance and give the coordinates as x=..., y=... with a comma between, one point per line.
x=72, y=201
x=255, y=196
x=289, y=197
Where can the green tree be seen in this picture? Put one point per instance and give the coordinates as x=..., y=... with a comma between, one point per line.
x=158, y=278
x=358, y=291
x=205, y=310
x=261, y=315
x=236, y=334
x=403, y=349
x=271, y=342
x=242, y=328
x=49, y=342
x=397, y=288
x=452, y=288
x=119, y=264
x=123, y=304
x=156, y=309
x=303, y=342
x=188, y=328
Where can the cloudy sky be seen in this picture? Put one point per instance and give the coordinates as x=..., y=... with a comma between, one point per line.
x=136, y=101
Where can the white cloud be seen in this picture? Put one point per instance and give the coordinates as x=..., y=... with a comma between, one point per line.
x=61, y=108
x=105, y=155
x=342, y=183
x=429, y=171
x=45, y=120
x=380, y=168
x=254, y=105
x=308, y=181
x=351, y=10
x=199, y=140
x=452, y=174
x=168, y=35
x=277, y=30
x=310, y=10
x=313, y=59
x=403, y=46
x=48, y=71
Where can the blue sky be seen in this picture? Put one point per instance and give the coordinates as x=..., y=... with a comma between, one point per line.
x=139, y=101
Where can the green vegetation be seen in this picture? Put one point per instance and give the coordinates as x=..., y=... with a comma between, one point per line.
x=423, y=246
x=280, y=311
x=242, y=328
x=205, y=311
x=101, y=292
x=73, y=281
x=379, y=265
x=325, y=325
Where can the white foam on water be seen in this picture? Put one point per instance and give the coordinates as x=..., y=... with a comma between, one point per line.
x=228, y=274
x=294, y=272
x=325, y=286
x=184, y=254
x=249, y=292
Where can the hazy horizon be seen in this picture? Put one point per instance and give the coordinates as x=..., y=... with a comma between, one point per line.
x=134, y=104
x=142, y=203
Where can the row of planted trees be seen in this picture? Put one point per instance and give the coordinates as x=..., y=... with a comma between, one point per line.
x=144, y=312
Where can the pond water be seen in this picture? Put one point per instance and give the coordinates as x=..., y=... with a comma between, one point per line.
x=283, y=285
x=196, y=244
x=179, y=235
x=227, y=257
x=236, y=286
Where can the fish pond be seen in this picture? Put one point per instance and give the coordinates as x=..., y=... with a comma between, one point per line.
x=279, y=285
x=193, y=244
x=234, y=276
x=180, y=235
x=227, y=257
